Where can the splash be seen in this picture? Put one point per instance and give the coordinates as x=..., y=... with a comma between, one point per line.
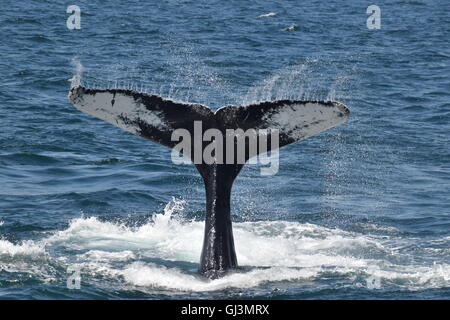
x=269, y=252
x=315, y=78
x=151, y=276
x=162, y=255
x=26, y=248
x=174, y=207
x=78, y=71
x=182, y=76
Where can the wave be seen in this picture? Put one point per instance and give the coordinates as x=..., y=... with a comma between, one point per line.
x=163, y=254
x=26, y=248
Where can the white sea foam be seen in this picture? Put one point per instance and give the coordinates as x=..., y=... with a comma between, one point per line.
x=107, y=256
x=26, y=248
x=163, y=254
x=151, y=275
x=27, y=257
x=269, y=251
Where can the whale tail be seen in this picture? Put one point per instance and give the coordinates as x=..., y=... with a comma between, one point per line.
x=162, y=121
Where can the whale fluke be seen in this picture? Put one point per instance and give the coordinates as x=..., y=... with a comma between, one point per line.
x=156, y=118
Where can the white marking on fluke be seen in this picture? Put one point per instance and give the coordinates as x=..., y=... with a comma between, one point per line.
x=122, y=110
x=303, y=120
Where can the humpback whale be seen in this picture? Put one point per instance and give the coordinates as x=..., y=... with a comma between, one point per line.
x=155, y=118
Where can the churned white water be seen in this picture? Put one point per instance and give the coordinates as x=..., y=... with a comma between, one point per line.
x=163, y=253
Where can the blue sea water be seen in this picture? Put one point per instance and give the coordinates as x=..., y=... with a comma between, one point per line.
x=361, y=211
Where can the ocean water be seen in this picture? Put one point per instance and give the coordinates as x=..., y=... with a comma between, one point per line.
x=361, y=211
